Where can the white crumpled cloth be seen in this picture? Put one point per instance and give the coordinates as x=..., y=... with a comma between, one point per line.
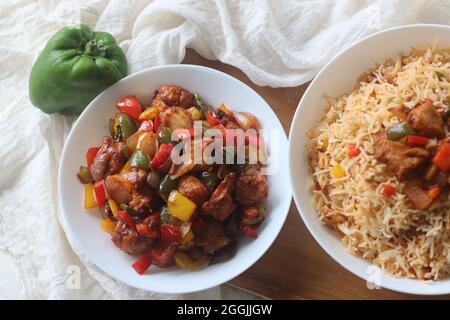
x=276, y=43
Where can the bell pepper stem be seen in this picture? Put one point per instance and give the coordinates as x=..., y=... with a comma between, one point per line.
x=91, y=48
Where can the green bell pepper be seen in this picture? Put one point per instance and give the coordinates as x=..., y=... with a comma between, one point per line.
x=399, y=131
x=74, y=67
x=200, y=104
x=122, y=127
x=139, y=159
x=84, y=175
x=164, y=215
x=167, y=185
x=165, y=136
x=167, y=218
x=439, y=75
x=209, y=179
x=127, y=208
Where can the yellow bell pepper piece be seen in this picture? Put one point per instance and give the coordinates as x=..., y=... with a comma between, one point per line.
x=149, y=113
x=183, y=261
x=225, y=109
x=89, y=198
x=188, y=237
x=337, y=172
x=194, y=113
x=108, y=225
x=113, y=206
x=180, y=207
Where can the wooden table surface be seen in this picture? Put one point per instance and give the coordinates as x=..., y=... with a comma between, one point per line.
x=295, y=266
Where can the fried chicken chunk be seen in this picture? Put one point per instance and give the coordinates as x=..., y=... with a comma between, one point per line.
x=175, y=118
x=128, y=240
x=251, y=187
x=174, y=96
x=193, y=189
x=109, y=159
x=221, y=203
x=426, y=121
x=399, y=158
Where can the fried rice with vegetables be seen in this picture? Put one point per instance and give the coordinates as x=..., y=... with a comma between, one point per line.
x=380, y=162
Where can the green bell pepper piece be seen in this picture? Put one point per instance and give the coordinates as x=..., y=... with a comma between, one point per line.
x=439, y=75
x=399, y=131
x=164, y=215
x=209, y=179
x=127, y=208
x=74, y=67
x=167, y=218
x=123, y=127
x=200, y=104
x=167, y=185
x=84, y=175
x=165, y=136
x=139, y=159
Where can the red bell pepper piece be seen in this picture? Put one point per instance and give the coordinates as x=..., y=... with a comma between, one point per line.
x=91, y=153
x=146, y=125
x=100, y=192
x=125, y=218
x=211, y=120
x=162, y=254
x=251, y=212
x=387, y=190
x=352, y=150
x=442, y=158
x=417, y=141
x=170, y=233
x=164, y=168
x=156, y=123
x=142, y=264
x=161, y=155
x=434, y=192
x=147, y=232
x=249, y=231
x=149, y=228
x=130, y=106
x=317, y=187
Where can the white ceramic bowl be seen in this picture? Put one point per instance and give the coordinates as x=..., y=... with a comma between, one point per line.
x=84, y=227
x=336, y=78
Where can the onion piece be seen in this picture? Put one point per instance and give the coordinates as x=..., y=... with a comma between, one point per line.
x=132, y=140
x=246, y=120
x=178, y=170
x=185, y=227
x=148, y=142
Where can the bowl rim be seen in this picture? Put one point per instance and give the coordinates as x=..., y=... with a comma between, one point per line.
x=341, y=260
x=70, y=232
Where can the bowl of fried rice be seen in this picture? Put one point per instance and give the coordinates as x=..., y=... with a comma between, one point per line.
x=370, y=159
